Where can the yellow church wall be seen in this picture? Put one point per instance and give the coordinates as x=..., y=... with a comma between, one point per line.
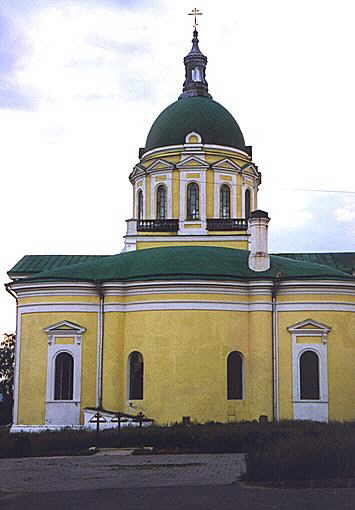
x=240, y=212
x=341, y=353
x=192, y=225
x=147, y=197
x=209, y=193
x=185, y=366
x=113, y=367
x=301, y=298
x=33, y=362
x=58, y=299
x=192, y=296
x=240, y=245
x=176, y=194
x=33, y=353
x=163, y=234
x=227, y=233
x=260, y=365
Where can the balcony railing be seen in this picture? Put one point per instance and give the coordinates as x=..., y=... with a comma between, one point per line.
x=157, y=225
x=227, y=224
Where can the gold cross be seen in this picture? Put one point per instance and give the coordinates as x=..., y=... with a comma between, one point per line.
x=195, y=12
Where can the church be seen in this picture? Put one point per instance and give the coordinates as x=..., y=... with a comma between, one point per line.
x=194, y=320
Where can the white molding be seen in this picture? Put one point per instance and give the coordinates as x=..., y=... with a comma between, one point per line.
x=303, y=327
x=185, y=163
x=155, y=181
x=187, y=305
x=19, y=285
x=161, y=305
x=189, y=146
x=58, y=307
x=218, y=182
x=136, y=190
x=16, y=429
x=316, y=306
x=70, y=329
x=310, y=409
x=193, y=133
x=186, y=237
x=184, y=182
x=219, y=166
x=62, y=410
x=210, y=305
x=165, y=164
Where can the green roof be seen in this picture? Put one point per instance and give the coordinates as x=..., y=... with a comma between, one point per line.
x=185, y=262
x=32, y=264
x=345, y=261
x=200, y=114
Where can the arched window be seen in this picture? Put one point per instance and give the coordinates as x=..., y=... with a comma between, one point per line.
x=193, y=211
x=161, y=202
x=63, y=379
x=309, y=376
x=196, y=74
x=225, y=201
x=235, y=376
x=140, y=204
x=247, y=203
x=136, y=374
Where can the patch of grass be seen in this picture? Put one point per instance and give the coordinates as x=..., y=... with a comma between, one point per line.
x=285, y=451
x=309, y=451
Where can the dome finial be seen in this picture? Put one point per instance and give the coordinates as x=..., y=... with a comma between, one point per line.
x=195, y=12
x=195, y=83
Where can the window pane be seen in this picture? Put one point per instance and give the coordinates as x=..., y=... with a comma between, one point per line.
x=247, y=204
x=235, y=376
x=161, y=203
x=136, y=373
x=309, y=376
x=193, y=212
x=64, y=369
x=140, y=204
x=225, y=201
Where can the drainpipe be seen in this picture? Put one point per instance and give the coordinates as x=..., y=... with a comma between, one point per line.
x=275, y=352
x=99, y=347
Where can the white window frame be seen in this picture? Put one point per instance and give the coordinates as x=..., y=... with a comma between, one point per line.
x=64, y=329
x=319, y=331
x=156, y=181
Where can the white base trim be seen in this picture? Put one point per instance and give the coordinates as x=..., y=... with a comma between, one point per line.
x=16, y=429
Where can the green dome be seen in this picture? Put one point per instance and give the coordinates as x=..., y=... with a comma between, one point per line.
x=200, y=114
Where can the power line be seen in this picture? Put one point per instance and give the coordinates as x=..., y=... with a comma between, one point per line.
x=174, y=179
x=319, y=190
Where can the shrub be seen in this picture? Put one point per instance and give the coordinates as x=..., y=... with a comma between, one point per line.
x=312, y=451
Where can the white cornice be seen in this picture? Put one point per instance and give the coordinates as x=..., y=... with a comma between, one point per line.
x=168, y=304
x=187, y=147
x=328, y=288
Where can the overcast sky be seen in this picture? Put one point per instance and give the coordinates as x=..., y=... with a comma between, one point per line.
x=81, y=82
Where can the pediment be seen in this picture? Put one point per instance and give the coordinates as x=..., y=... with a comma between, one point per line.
x=65, y=327
x=225, y=164
x=309, y=326
x=137, y=171
x=192, y=162
x=160, y=164
x=251, y=168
